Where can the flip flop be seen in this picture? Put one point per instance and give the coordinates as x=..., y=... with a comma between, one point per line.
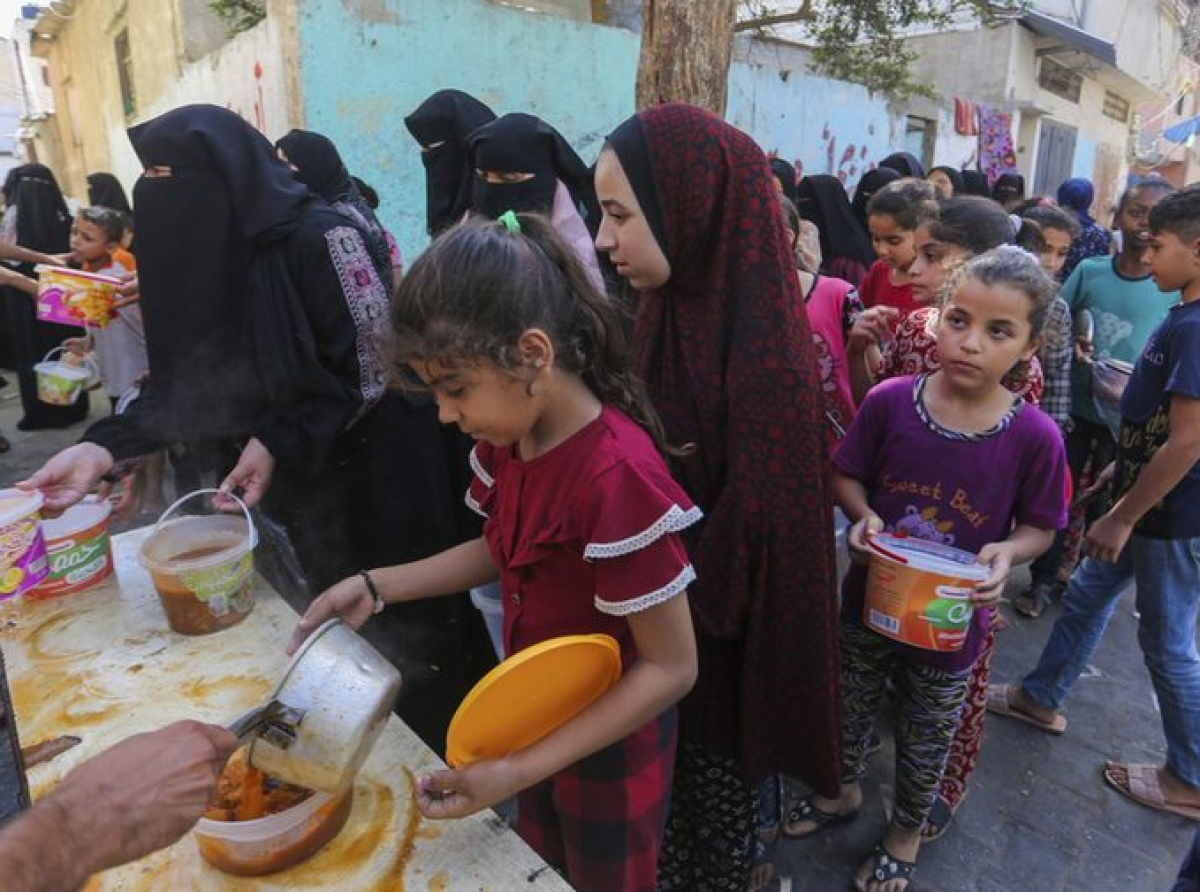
x=1142, y=787
x=999, y=703
x=804, y=810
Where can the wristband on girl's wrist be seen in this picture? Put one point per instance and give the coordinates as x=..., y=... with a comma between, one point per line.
x=375, y=596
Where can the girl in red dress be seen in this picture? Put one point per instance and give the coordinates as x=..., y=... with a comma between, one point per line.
x=582, y=519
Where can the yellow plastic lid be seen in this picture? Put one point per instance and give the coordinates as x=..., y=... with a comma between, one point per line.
x=531, y=694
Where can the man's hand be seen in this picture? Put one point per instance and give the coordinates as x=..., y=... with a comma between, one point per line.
x=69, y=476
x=136, y=798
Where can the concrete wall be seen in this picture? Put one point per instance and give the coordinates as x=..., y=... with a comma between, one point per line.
x=365, y=64
x=819, y=125
x=88, y=133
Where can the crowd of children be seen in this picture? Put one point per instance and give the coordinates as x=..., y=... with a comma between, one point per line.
x=671, y=479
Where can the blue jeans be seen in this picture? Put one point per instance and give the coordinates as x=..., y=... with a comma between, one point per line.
x=1167, y=575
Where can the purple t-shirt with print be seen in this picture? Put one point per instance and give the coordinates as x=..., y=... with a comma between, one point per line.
x=961, y=490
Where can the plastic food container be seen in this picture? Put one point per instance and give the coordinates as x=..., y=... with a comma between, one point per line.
x=276, y=842
x=74, y=297
x=23, y=561
x=918, y=592
x=60, y=383
x=202, y=567
x=78, y=548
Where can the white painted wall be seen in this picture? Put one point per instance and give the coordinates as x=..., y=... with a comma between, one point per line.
x=248, y=75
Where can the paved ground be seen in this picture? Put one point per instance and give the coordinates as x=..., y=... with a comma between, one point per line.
x=1039, y=818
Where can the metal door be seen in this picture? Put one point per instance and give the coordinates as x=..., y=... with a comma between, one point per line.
x=1055, y=157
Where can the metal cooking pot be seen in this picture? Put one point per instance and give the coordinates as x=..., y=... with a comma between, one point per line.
x=319, y=726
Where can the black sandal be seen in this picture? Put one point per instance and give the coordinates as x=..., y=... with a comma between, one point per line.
x=886, y=867
x=937, y=822
x=804, y=810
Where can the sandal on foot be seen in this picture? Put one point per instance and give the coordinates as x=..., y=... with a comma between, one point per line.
x=999, y=702
x=804, y=810
x=937, y=822
x=886, y=868
x=762, y=871
x=1142, y=786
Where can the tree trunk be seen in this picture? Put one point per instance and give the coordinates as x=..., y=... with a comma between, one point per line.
x=686, y=48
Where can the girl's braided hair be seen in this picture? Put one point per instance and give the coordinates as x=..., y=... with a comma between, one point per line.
x=468, y=299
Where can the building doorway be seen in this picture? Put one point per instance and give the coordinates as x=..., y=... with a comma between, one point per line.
x=1055, y=157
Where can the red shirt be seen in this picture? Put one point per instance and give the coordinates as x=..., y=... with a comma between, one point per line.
x=877, y=290
x=913, y=351
x=583, y=535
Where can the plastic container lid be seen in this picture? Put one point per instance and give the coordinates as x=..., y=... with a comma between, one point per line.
x=77, y=518
x=16, y=504
x=67, y=272
x=531, y=694
x=933, y=557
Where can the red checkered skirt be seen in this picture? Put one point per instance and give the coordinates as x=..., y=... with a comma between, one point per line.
x=600, y=822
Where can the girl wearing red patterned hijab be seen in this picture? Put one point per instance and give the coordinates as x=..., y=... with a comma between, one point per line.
x=691, y=221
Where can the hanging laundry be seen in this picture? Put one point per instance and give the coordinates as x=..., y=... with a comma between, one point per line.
x=965, y=123
x=997, y=154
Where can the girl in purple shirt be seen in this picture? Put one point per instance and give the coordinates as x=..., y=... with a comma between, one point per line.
x=954, y=457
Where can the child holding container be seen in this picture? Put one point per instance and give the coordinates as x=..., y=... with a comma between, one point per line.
x=119, y=346
x=582, y=526
x=911, y=464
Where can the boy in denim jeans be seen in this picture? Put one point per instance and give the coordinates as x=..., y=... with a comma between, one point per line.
x=1151, y=536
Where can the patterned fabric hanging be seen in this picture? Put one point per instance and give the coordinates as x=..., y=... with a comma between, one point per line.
x=997, y=154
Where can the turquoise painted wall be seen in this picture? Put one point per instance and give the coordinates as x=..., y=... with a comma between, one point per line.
x=1083, y=164
x=819, y=125
x=365, y=64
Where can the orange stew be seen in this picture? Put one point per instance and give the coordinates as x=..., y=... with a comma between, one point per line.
x=246, y=794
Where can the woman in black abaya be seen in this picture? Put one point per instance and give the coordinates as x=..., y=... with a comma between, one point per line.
x=43, y=224
x=441, y=124
x=318, y=164
x=264, y=317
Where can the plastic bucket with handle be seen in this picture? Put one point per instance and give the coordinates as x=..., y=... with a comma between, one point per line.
x=60, y=383
x=918, y=592
x=202, y=566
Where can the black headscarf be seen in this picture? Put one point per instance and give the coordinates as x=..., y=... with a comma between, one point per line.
x=319, y=166
x=43, y=224
x=441, y=124
x=43, y=220
x=527, y=144
x=821, y=199
x=904, y=163
x=872, y=181
x=786, y=175
x=955, y=178
x=1008, y=187
x=975, y=182
x=228, y=194
x=106, y=191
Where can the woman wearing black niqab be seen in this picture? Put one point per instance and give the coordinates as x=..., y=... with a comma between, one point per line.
x=975, y=182
x=870, y=183
x=441, y=124
x=318, y=165
x=264, y=318
x=43, y=224
x=905, y=164
x=106, y=191
x=846, y=251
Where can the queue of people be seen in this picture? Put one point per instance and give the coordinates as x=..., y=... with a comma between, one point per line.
x=641, y=399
